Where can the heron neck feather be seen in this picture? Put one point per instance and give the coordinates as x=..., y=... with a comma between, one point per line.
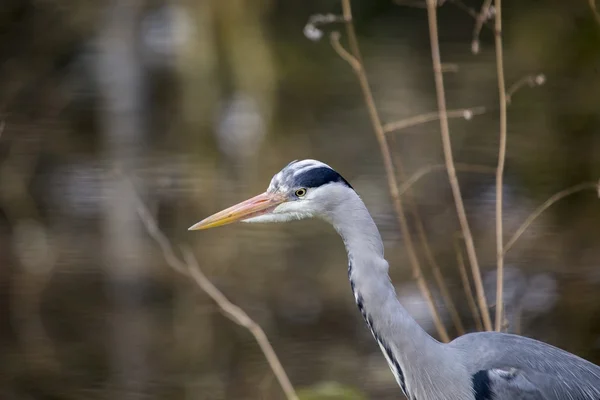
x=415, y=351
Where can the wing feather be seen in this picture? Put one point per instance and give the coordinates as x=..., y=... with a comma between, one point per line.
x=521, y=368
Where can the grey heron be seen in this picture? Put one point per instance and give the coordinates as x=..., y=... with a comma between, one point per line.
x=475, y=366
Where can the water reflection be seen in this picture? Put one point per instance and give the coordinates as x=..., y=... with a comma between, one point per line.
x=199, y=105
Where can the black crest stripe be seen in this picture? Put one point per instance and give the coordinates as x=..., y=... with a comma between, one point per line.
x=320, y=176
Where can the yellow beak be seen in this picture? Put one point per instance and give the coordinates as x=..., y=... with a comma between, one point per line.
x=257, y=205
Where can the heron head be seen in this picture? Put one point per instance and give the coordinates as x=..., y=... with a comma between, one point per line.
x=303, y=189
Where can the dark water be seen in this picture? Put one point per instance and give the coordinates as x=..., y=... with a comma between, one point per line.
x=198, y=106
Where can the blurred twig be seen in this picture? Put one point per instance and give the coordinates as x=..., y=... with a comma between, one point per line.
x=237, y=315
x=482, y=17
x=500, y=170
x=470, y=11
x=421, y=172
x=437, y=272
x=458, y=3
x=355, y=60
x=441, y=283
x=342, y=52
x=594, y=8
x=447, y=146
x=190, y=267
x=466, y=113
x=355, y=63
x=465, y=282
x=30, y=281
x=530, y=80
x=311, y=29
x=553, y=199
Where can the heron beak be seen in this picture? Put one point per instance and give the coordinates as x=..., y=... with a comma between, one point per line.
x=257, y=205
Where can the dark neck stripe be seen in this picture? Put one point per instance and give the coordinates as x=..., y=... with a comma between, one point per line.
x=369, y=321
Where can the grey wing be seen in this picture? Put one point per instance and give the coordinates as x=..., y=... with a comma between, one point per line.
x=516, y=384
x=507, y=367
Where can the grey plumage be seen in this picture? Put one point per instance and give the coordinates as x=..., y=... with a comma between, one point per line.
x=476, y=366
x=535, y=370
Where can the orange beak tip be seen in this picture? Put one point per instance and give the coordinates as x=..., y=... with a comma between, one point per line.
x=198, y=226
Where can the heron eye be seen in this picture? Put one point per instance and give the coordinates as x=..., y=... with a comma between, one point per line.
x=300, y=192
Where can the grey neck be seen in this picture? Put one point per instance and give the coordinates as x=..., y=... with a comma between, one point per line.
x=409, y=350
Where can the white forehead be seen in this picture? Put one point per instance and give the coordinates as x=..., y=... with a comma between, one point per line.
x=291, y=170
x=302, y=166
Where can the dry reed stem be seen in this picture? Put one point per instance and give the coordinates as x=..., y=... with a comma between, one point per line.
x=466, y=113
x=435, y=268
x=458, y=3
x=447, y=146
x=343, y=53
x=479, y=21
x=437, y=273
x=354, y=60
x=190, y=267
x=421, y=172
x=505, y=97
x=464, y=277
x=553, y=199
x=439, y=278
x=441, y=283
x=500, y=170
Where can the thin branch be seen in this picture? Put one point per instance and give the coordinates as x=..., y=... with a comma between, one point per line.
x=447, y=146
x=592, y=4
x=466, y=113
x=237, y=315
x=437, y=273
x=160, y=239
x=529, y=80
x=356, y=63
x=505, y=97
x=464, y=277
x=353, y=40
x=556, y=197
x=458, y=3
x=441, y=283
x=435, y=268
x=342, y=52
x=481, y=18
x=471, y=12
x=446, y=67
x=311, y=29
x=189, y=267
x=421, y=172
x=500, y=170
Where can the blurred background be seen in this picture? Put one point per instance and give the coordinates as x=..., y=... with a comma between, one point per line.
x=199, y=103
